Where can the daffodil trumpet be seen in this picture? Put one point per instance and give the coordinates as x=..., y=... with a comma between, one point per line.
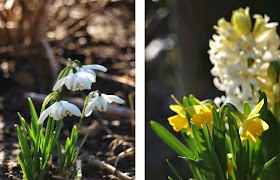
x=180, y=120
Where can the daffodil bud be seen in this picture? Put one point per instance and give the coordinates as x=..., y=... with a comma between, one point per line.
x=273, y=71
x=241, y=21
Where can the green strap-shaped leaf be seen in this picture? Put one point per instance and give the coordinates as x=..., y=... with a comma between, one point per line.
x=26, y=154
x=174, y=170
x=219, y=142
x=23, y=166
x=246, y=109
x=191, y=143
x=197, y=164
x=265, y=166
x=171, y=140
x=34, y=117
x=218, y=169
x=81, y=145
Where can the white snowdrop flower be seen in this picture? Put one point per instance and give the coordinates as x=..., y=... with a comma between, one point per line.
x=100, y=102
x=76, y=81
x=90, y=68
x=59, y=110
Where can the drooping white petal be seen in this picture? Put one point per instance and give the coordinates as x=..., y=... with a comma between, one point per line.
x=60, y=110
x=103, y=103
x=91, y=77
x=84, y=81
x=76, y=85
x=59, y=83
x=45, y=113
x=70, y=81
x=73, y=109
x=54, y=113
x=89, y=71
x=97, y=67
x=113, y=98
x=90, y=106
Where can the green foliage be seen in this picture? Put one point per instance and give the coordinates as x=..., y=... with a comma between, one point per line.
x=35, y=146
x=210, y=150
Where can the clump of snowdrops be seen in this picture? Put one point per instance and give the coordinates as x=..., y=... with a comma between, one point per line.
x=37, y=144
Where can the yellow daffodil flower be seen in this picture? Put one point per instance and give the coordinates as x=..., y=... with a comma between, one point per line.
x=201, y=114
x=252, y=127
x=179, y=120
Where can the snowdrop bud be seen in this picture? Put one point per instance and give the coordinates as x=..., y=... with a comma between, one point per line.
x=241, y=21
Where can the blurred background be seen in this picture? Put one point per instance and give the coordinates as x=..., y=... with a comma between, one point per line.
x=177, y=62
x=36, y=39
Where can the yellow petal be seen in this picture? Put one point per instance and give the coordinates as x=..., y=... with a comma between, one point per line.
x=257, y=108
x=178, y=109
x=195, y=109
x=176, y=100
x=178, y=122
x=189, y=130
x=197, y=121
x=265, y=125
x=243, y=140
x=262, y=125
x=201, y=104
x=250, y=137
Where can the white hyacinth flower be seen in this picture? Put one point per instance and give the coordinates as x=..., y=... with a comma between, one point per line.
x=59, y=110
x=100, y=102
x=241, y=52
x=76, y=81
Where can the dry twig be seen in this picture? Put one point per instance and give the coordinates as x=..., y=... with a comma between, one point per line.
x=105, y=166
